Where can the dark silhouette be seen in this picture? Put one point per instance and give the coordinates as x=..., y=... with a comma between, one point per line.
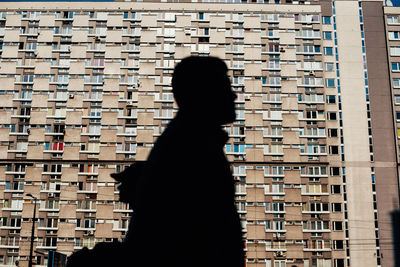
x=185, y=212
x=183, y=196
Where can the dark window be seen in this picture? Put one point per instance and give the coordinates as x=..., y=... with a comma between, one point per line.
x=333, y=132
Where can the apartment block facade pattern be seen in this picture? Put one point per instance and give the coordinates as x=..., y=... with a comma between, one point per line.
x=85, y=90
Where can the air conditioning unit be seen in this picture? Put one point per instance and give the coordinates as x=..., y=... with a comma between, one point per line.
x=51, y=195
x=71, y=96
x=312, y=73
x=129, y=103
x=279, y=254
x=91, y=232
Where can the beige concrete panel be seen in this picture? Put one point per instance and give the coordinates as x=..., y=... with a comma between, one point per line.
x=294, y=232
x=252, y=69
x=6, y=101
x=289, y=103
x=13, y=20
x=10, y=52
x=147, y=68
x=288, y=70
x=181, y=37
x=27, y=208
x=108, y=152
x=293, y=195
x=108, y=135
x=287, y=38
x=149, y=21
x=145, y=136
x=255, y=194
x=286, y=23
x=253, y=120
x=252, y=37
x=145, y=118
x=40, y=100
x=254, y=154
x=69, y=174
x=72, y=135
x=111, y=85
x=145, y=101
x=68, y=192
x=42, y=67
x=36, y=135
x=251, y=86
x=142, y=152
x=146, y=84
x=75, y=102
x=255, y=231
x=110, y=101
x=76, y=84
x=293, y=213
x=105, y=193
x=217, y=37
x=218, y=52
x=81, y=21
x=292, y=177
x=66, y=230
x=254, y=137
x=26, y=230
x=73, y=117
x=47, y=20
x=112, y=68
x=109, y=118
x=41, y=84
x=68, y=211
x=252, y=53
x=33, y=174
x=114, y=36
x=71, y=153
x=289, y=54
x=78, y=51
x=35, y=152
x=104, y=175
x=79, y=36
x=149, y=52
x=32, y=189
x=291, y=155
x=114, y=20
x=4, y=152
x=256, y=251
x=255, y=213
x=183, y=21
x=5, y=117
x=77, y=67
x=104, y=230
x=150, y=36
x=44, y=51
x=252, y=22
x=290, y=137
x=38, y=117
x=8, y=67
x=290, y=120
x=217, y=21
x=255, y=103
x=7, y=83
x=4, y=134
x=255, y=176
x=295, y=251
x=11, y=36
x=104, y=211
x=46, y=36
x=182, y=52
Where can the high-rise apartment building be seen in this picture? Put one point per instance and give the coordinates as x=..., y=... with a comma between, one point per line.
x=85, y=89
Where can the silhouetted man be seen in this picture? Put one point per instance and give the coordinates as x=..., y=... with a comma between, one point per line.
x=185, y=212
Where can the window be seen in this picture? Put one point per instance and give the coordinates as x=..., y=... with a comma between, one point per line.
x=333, y=132
x=396, y=83
x=330, y=82
x=394, y=35
x=334, y=171
x=338, y=244
x=327, y=35
x=396, y=66
x=398, y=115
x=326, y=20
x=329, y=66
x=333, y=150
x=328, y=51
x=397, y=99
x=337, y=226
x=395, y=51
x=336, y=207
x=335, y=189
x=330, y=99
x=339, y=263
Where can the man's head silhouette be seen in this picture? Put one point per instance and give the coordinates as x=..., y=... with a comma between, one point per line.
x=202, y=90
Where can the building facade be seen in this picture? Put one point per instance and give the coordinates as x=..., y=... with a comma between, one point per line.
x=85, y=90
